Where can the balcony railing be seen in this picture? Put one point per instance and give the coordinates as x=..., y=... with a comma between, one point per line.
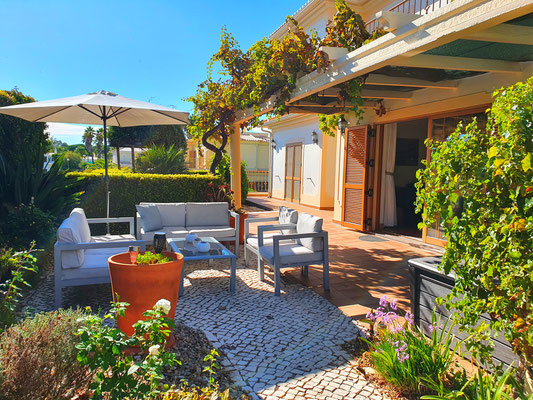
x=258, y=180
x=420, y=7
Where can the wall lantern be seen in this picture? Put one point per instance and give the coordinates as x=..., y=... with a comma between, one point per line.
x=342, y=124
x=314, y=137
x=273, y=145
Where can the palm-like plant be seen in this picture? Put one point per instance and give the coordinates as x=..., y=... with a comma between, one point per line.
x=160, y=160
x=88, y=137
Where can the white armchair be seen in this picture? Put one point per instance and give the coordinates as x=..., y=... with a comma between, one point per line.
x=81, y=259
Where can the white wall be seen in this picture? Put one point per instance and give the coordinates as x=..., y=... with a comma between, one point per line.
x=311, y=158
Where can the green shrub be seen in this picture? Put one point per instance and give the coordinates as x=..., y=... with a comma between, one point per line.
x=129, y=189
x=198, y=171
x=71, y=161
x=224, y=170
x=149, y=258
x=38, y=358
x=479, y=184
x=24, y=224
x=15, y=268
x=161, y=160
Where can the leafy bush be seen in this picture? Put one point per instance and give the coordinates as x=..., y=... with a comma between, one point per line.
x=24, y=224
x=224, y=170
x=120, y=376
x=38, y=358
x=479, y=183
x=71, y=161
x=14, y=270
x=404, y=356
x=152, y=258
x=129, y=189
x=100, y=164
x=161, y=160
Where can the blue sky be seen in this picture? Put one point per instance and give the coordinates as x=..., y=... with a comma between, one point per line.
x=151, y=50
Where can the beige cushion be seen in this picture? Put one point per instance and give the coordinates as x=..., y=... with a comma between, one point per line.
x=308, y=223
x=172, y=214
x=170, y=232
x=85, y=232
x=292, y=254
x=287, y=216
x=151, y=219
x=213, y=231
x=69, y=232
x=207, y=214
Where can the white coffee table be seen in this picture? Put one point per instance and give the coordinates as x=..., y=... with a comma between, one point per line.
x=217, y=251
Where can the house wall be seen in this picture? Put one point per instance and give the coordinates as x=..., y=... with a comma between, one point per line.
x=255, y=154
x=316, y=188
x=470, y=93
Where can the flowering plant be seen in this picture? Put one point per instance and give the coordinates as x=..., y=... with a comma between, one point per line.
x=120, y=376
x=402, y=353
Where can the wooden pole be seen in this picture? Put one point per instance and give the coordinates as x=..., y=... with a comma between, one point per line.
x=235, y=153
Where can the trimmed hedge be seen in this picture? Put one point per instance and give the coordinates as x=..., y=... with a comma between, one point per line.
x=129, y=189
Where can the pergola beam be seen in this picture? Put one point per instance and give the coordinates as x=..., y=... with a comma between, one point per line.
x=371, y=94
x=457, y=63
x=505, y=33
x=386, y=80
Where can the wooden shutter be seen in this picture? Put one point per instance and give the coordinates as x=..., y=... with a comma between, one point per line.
x=356, y=177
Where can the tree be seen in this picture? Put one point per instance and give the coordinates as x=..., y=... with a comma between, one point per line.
x=99, y=142
x=88, y=137
x=160, y=160
x=71, y=161
x=167, y=135
x=479, y=183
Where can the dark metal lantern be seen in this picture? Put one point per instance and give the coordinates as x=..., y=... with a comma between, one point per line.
x=160, y=241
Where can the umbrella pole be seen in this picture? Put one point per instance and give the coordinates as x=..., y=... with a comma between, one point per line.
x=106, y=176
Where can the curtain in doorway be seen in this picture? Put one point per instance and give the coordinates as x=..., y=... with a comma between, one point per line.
x=388, y=193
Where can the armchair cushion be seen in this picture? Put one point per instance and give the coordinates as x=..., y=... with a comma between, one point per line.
x=267, y=240
x=69, y=232
x=207, y=214
x=288, y=216
x=308, y=223
x=85, y=231
x=172, y=214
x=291, y=253
x=150, y=217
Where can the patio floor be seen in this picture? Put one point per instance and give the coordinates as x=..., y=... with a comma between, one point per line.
x=363, y=267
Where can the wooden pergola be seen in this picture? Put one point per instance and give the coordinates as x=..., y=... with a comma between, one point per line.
x=434, y=51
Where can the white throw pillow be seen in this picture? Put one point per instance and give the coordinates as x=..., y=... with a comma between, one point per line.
x=150, y=216
x=308, y=223
x=69, y=232
x=287, y=216
x=85, y=231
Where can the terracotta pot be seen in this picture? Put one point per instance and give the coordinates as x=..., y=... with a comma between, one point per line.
x=242, y=218
x=143, y=285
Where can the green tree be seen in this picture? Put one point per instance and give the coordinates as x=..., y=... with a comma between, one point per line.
x=71, y=161
x=88, y=137
x=479, y=182
x=167, y=135
x=160, y=160
x=99, y=142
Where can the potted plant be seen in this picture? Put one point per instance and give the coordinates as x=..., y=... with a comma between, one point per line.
x=142, y=283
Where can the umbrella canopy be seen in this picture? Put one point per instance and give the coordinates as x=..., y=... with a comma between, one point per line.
x=98, y=108
x=89, y=109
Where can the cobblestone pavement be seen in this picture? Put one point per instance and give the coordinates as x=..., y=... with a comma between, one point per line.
x=284, y=347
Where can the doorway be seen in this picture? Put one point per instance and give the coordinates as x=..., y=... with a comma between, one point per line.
x=293, y=172
x=403, y=152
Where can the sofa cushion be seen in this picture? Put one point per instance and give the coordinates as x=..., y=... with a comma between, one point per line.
x=69, y=232
x=85, y=231
x=151, y=219
x=111, y=238
x=104, y=254
x=94, y=268
x=170, y=232
x=291, y=254
x=213, y=231
x=287, y=216
x=172, y=214
x=207, y=214
x=308, y=223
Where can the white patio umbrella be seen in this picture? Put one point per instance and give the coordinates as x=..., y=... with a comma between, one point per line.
x=99, y=108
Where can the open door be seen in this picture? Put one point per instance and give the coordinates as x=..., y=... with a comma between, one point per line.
x=293, y=172
x=359, y=147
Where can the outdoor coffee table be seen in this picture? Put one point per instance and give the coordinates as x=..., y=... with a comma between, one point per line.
x=217, y=251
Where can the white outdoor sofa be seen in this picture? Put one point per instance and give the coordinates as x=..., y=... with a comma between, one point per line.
x=297, y=244
x=176, y=220
x=81, y=259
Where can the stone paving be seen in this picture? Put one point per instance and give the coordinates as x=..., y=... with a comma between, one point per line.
x=277, y=348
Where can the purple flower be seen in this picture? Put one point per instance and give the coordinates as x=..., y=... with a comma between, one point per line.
x=394, y=305
x=371, y=316
x=433, y=326
x=410, y=318
x=383, y=302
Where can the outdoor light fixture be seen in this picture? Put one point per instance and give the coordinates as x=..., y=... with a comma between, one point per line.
x=314, y=137
x=342, y=125
x=273, y=145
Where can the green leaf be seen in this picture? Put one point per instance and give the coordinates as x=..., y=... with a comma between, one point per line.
x=526, y=163
x=493, y=152
x=133, y=369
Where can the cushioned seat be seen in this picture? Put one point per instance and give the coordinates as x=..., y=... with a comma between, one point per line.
x=212, y=231
x=291, y=254
x=111, y=238
x=253, y=240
